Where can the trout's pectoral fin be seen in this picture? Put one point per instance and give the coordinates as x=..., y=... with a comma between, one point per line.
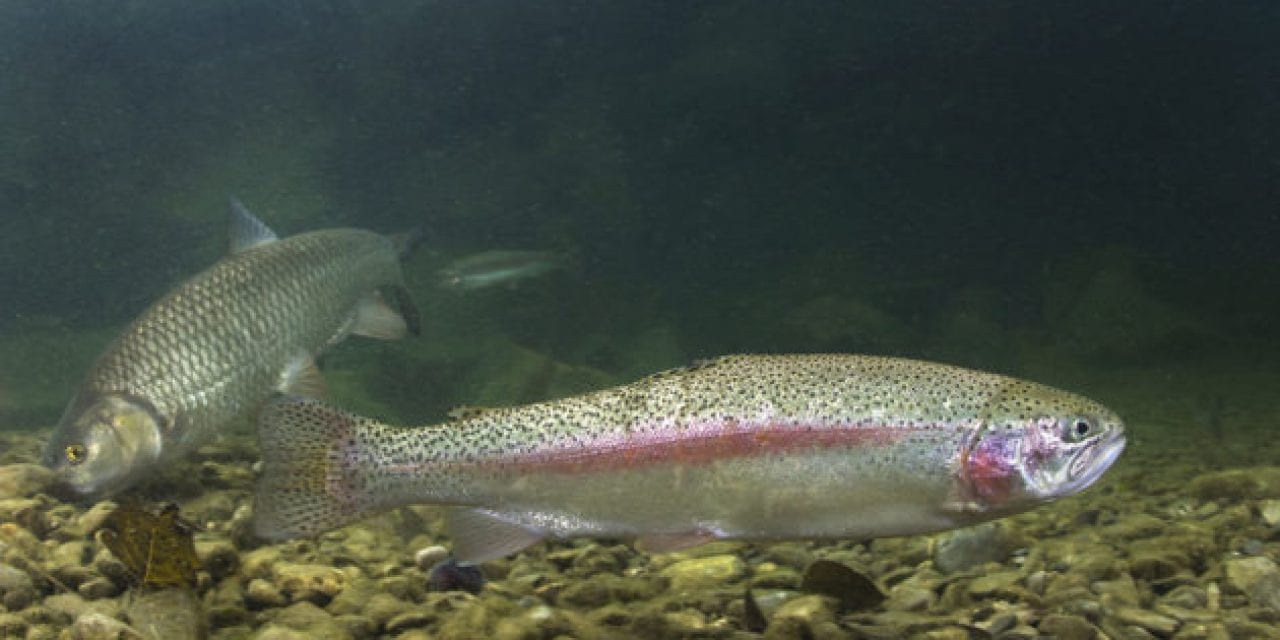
x=479, y=535
x=373, y=318
x=666, y=542
x=301, y=377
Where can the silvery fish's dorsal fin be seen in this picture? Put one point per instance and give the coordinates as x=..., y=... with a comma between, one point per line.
x=247, y=231
x=479, y=535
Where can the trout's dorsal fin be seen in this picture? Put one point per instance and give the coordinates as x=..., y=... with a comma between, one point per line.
x=247, y=231
x=479, y=535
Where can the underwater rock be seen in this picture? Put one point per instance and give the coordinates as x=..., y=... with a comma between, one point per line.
x=1237, y=484
x=1258, y=578
x=1134, y=526
x=17, y=589
x=97, y=626
x=448, y=575
x=316, y=622
x=969, y=547
x=383, y=607
x=801, y=617
x=699, y=573
x=1113, y=315
x=24, y=480
x=1067, y=627
x=261, y=594
x=357, y=595
x=427, y=557
x=167, y=613
x=1162, y=626
x=312, y=582
x=219, y=557
x=1269, y=511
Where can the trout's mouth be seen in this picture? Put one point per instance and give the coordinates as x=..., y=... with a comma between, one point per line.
x=1093, y=460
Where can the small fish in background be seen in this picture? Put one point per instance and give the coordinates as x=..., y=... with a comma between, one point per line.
x=217, y=345
x=492, y=268
x=765, y=447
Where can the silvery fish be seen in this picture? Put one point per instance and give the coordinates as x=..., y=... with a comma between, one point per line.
x=492, y=268
x=219, y=344
x=758, y=447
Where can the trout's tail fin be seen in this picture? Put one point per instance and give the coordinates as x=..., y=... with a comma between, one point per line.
x=311, y=478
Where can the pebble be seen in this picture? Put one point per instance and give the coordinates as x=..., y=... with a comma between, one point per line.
x=219, y=557
x=98, y=588
x=709, y=571
x=23, y=480
x=1149, y=620
x=261, y=594
x=97, y=626
x=1269, y=511
x=969, y=547
x=1067, y=627
x=427, y=557
x=17, y=590
x=1257, y=577
x=312, y=582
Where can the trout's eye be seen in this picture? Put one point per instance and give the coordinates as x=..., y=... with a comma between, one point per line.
x=1078, y=429
x=75, y=453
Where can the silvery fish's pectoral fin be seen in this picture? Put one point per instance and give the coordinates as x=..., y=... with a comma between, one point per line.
x=403, y=303
x=479, y=535
x=247, y=231
x=374, y=318
x=301, y=377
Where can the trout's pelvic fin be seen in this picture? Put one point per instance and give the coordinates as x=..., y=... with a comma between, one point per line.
x=310, y=480
x=480, y=535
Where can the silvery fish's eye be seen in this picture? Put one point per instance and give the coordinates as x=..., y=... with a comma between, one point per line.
x=75, y=453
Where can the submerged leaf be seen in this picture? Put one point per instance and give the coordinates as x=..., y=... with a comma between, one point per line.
x=156, y=547
x=854, y=591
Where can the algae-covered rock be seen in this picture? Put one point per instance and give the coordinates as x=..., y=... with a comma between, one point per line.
x=701, y=573
x=17, y=589
x=1237, y=484
x=1258, y=578
x=97, y=626
x=314, y=582
x=964, y=548
x=23, y=480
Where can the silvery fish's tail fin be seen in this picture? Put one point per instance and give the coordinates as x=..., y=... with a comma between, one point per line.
x=311, y=480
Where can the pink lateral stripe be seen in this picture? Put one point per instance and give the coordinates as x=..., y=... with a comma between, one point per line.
x=694, y=445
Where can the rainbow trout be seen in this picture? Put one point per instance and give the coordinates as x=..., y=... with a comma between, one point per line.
x=222, y=342
x=754, y=447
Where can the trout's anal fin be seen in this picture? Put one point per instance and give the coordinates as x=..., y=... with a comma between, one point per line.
x=479, y=535
x=247, y=231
